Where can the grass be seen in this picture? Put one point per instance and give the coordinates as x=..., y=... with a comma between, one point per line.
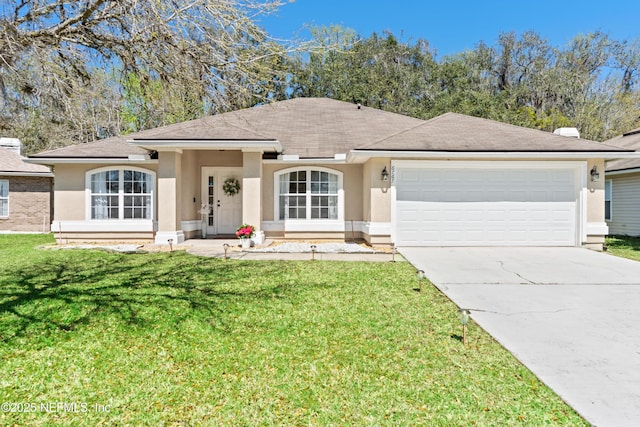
x=174, y=339
x=624, y=246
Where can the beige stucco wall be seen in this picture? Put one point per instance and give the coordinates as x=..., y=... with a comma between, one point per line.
x=69, y=188
x=170, y=191
x=595, y=193
x=190, y=186
x=595, y=205
x=252, y=189
x=69, y=191
x=376, y=192
x=366, y=192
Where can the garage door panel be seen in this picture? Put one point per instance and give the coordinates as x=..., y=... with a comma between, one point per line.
x=479, y=207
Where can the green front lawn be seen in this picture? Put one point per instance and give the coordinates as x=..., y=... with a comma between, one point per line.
x=174, y=339
x=624, y=246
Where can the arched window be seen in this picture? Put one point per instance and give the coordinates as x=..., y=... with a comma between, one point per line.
x=309, y=194
x=120, y=193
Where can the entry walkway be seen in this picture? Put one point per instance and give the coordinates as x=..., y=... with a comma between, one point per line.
x=570, y=315
x=301, y=252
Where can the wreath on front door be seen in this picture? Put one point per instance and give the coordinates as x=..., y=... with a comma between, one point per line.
x=231, y=187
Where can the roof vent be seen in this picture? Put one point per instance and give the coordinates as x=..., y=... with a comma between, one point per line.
x=570, y=132
x=12, y=144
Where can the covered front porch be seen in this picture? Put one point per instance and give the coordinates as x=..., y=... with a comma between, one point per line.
x=207, y=187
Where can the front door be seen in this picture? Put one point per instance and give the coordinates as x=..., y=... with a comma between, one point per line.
x=225, y=213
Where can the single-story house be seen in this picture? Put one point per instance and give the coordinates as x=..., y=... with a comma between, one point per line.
x=26, y=191
x=622, y=188
x=313, y=168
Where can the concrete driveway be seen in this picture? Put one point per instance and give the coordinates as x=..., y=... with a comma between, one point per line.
x=571, y=315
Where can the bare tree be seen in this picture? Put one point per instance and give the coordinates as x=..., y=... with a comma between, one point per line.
x=212, y=50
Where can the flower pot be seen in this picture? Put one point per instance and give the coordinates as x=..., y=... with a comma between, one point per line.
x=246, y=243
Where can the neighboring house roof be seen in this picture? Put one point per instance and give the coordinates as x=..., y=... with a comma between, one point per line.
x=322, y=128
x=12, y=163
x=457, y=132
x=629, y=140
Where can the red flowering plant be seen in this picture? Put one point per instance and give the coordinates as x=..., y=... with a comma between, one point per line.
x=245, y=231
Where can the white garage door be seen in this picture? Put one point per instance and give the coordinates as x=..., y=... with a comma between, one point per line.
x=473, y=205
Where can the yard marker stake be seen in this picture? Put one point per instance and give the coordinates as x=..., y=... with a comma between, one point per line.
x=463, y=317
x=464, y=334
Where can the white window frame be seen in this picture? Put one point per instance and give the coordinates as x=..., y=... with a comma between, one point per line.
x=121, y=194
x=608, y=183
x=5, y=182
x=308, y=224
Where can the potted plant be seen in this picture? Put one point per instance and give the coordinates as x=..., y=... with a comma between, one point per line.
x=245, y=232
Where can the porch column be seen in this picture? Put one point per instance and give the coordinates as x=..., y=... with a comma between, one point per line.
x=252, y=192
x=169, y=197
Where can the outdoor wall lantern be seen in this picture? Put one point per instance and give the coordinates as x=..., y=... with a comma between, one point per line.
x=385, y=174
x=595, y=175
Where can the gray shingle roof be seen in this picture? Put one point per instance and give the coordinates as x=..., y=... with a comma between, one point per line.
x=110, y=148
x=12, y=162
x=322, y=127
x=629, y=140
x=457, y=132
x=308, y=127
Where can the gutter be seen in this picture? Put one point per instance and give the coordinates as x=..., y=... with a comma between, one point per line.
x=198, y=144
x=90, y=160
x=42, y=174
x=357, y=156
x=621, y=171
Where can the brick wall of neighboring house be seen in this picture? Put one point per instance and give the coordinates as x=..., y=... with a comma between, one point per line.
x=30, y=204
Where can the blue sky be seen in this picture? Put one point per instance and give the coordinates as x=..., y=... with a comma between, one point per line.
x=454, y=26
